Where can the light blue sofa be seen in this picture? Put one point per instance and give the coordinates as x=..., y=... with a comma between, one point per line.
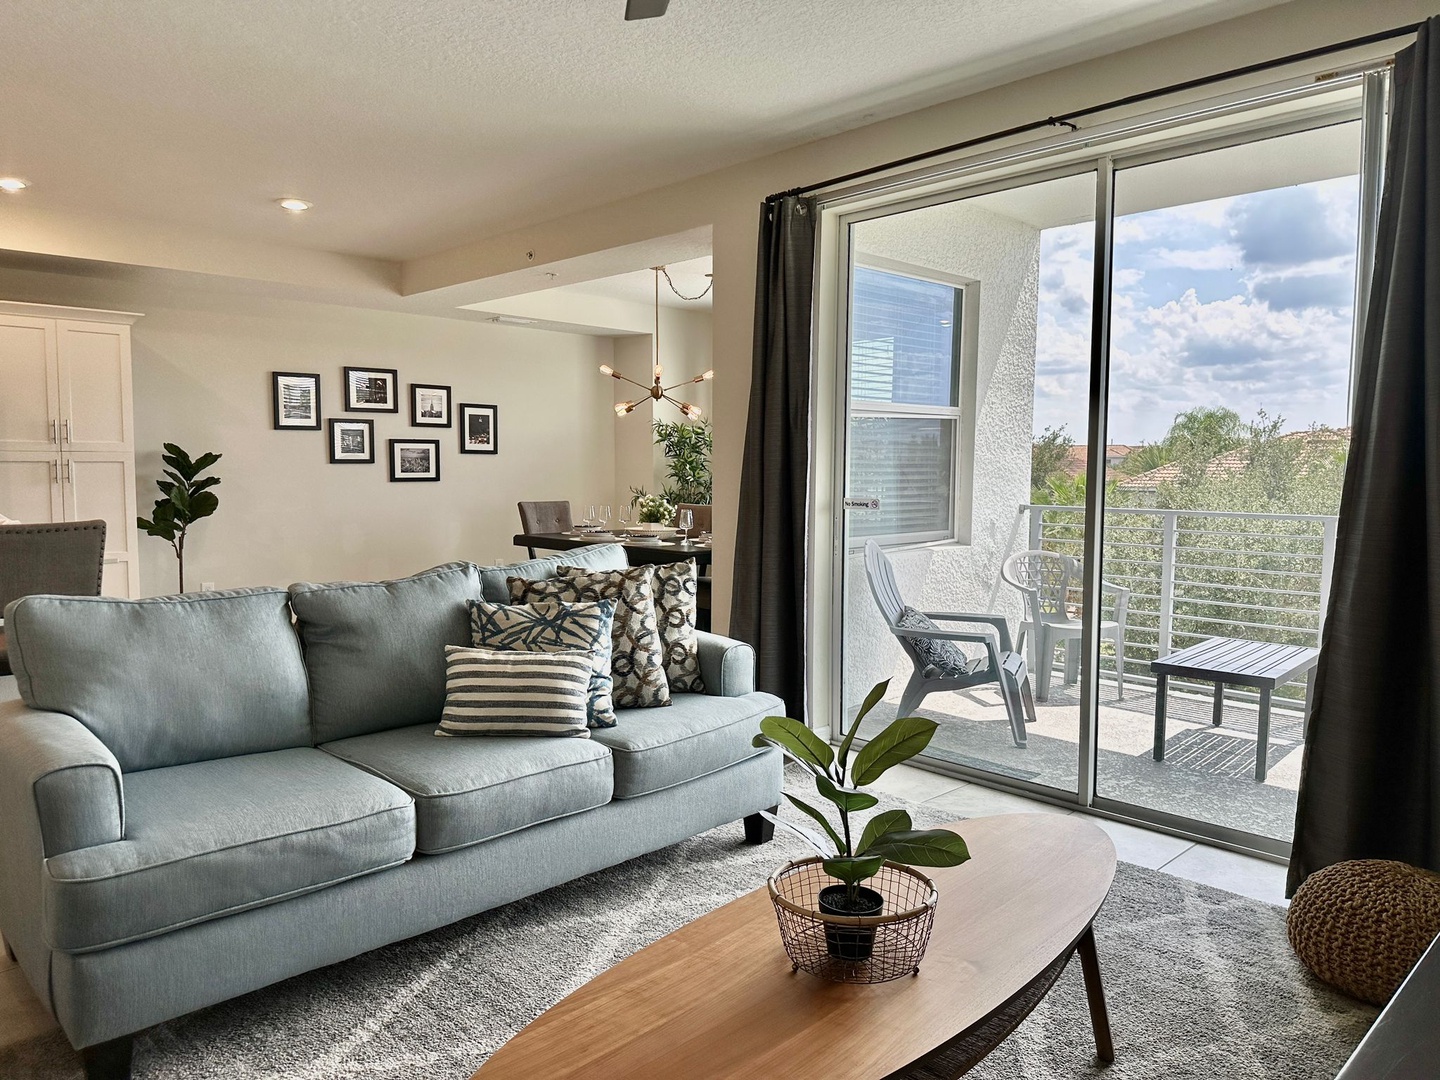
x=203, y=795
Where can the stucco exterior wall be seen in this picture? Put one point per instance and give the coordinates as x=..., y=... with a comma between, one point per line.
x=1003, y=255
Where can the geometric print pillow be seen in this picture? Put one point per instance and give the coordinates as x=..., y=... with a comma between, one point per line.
x=675, y=589
x=550, y=626
x=938, y=657
x=637, y=662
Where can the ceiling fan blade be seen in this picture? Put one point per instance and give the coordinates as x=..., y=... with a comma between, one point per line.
x=645, y=9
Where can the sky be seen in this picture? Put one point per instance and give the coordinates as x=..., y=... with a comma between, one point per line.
x=1245, y=302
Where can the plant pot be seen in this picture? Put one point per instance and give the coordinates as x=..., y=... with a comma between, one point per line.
x=845, y=943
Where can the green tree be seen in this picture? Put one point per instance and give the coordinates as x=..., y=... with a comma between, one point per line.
x=687, y=449
x=185, y=498
x=1048, y=454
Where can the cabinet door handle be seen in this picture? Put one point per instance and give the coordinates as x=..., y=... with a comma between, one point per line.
x=54, y=431
x=69, y=471
x=56, y=464
x=68, y=438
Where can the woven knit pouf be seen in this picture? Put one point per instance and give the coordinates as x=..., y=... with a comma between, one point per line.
x=1361, y=926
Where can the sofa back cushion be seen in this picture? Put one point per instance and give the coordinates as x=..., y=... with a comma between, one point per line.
x=169, y=680
x=375, y=650
x=494, y=579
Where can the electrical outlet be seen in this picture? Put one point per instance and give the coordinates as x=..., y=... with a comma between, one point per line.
x=207, y=586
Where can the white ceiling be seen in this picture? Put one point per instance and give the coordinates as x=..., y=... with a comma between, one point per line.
x=418, y=126
x=638, y=287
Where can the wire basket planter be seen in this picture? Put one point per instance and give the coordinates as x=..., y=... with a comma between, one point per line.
x=850, y=948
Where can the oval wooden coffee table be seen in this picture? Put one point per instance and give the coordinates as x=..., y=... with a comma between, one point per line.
x=717, y=998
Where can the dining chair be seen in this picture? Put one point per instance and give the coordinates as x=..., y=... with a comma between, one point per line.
x=1046, y=579
x=64, y=558
x=545, y=517
x=937, y=661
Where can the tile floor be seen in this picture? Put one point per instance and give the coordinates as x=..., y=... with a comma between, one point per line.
x=1243, y=874
x=23, y=1017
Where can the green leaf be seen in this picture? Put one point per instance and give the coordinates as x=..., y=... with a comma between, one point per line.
x=203, y=505
x=902, y=740
x=810, y=836
x=928, y=847
x=797, y=738
x=204, y=461
x=871, y=700
x=806, y=808
x=852, y=871
x=165, y=486
x=762, y=742
x=887, y=822
x=846, y=799
x=203, y=483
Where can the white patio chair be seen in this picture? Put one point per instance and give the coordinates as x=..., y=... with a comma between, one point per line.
x=938, y=662
x=1045, y=580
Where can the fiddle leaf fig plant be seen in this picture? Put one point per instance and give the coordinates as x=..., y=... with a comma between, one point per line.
x=185, y=498
x=889, y=835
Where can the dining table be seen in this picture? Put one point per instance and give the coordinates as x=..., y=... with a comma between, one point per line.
x=638, y=551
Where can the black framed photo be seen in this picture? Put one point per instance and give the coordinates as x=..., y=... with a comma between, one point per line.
x=429, y=405
x=372, y=390
x=352, y=442
x=414, y=459
x=479, y=429
x=297, y=401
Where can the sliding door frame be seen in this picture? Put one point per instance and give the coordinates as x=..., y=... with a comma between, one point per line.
x=1309, y=104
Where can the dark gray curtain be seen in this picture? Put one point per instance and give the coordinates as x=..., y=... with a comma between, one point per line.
x=768, y=608
x=1370, y=786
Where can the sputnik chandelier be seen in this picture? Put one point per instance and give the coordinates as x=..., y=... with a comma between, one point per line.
x=657, y=391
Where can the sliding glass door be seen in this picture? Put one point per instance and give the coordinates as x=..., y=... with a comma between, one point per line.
x=967, y=332
x=990, y=453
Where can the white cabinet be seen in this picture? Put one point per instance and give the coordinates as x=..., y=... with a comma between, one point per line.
x=67, y=429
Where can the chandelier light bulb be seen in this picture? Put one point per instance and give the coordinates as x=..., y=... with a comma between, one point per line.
x=606, y=369
x=710, y=374
x=10, y=185
x=624, y=408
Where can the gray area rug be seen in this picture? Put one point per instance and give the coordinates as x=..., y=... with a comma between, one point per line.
x=1201, y=983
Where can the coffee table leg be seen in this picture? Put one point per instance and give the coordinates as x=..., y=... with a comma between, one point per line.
x=1262, y=737
x=1217, y=714
x=1162, y=683
x=1095, y=992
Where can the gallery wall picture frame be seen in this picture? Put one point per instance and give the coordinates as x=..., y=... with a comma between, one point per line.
x=429, y=405
x=414, y=459
x=372, y=390
x=479, y=429
x=352, y=442
x=296, y=396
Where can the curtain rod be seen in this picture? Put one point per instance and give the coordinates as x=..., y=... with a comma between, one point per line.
x=1067, y=119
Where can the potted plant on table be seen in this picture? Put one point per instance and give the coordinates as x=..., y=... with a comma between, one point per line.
x=651, y=509
x=852, y=855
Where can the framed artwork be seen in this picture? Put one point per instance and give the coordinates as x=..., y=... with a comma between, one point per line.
x=297, y=401
x=414, y=459
x=372, y=390
x=352, y=442
x=429, y=405
x=478, y=429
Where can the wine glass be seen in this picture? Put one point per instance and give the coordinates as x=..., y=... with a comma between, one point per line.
x=625, y=518
x=605, y=519
x=685, y=521
x=590, y=515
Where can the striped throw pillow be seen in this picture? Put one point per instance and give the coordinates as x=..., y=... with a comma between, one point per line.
x=515, y=693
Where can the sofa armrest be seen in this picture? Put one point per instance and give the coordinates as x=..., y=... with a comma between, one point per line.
x=58, y=778
x=727, y=666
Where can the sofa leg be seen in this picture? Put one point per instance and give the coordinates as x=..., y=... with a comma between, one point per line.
x=108, y=1060
x=759, y=830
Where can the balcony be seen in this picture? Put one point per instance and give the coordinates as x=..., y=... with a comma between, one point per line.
x=1192, y=574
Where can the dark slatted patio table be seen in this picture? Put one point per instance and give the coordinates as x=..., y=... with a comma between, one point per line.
x=1262, y=665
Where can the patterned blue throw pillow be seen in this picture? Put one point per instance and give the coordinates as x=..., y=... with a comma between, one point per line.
x=554, y=626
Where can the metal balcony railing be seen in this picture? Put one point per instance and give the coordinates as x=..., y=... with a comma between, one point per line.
x=1195, y=574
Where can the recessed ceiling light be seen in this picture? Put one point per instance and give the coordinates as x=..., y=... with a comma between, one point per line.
x=295, y=206
x=11, y=184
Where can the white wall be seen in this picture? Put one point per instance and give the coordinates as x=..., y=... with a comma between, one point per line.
x=202, y=364
x=1002, y=254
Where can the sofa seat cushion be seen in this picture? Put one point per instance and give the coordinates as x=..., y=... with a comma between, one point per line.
x=698, y=734
x=470, y=790
x=216, y=837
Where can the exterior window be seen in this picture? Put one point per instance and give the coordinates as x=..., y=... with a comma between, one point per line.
x=905, y=360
